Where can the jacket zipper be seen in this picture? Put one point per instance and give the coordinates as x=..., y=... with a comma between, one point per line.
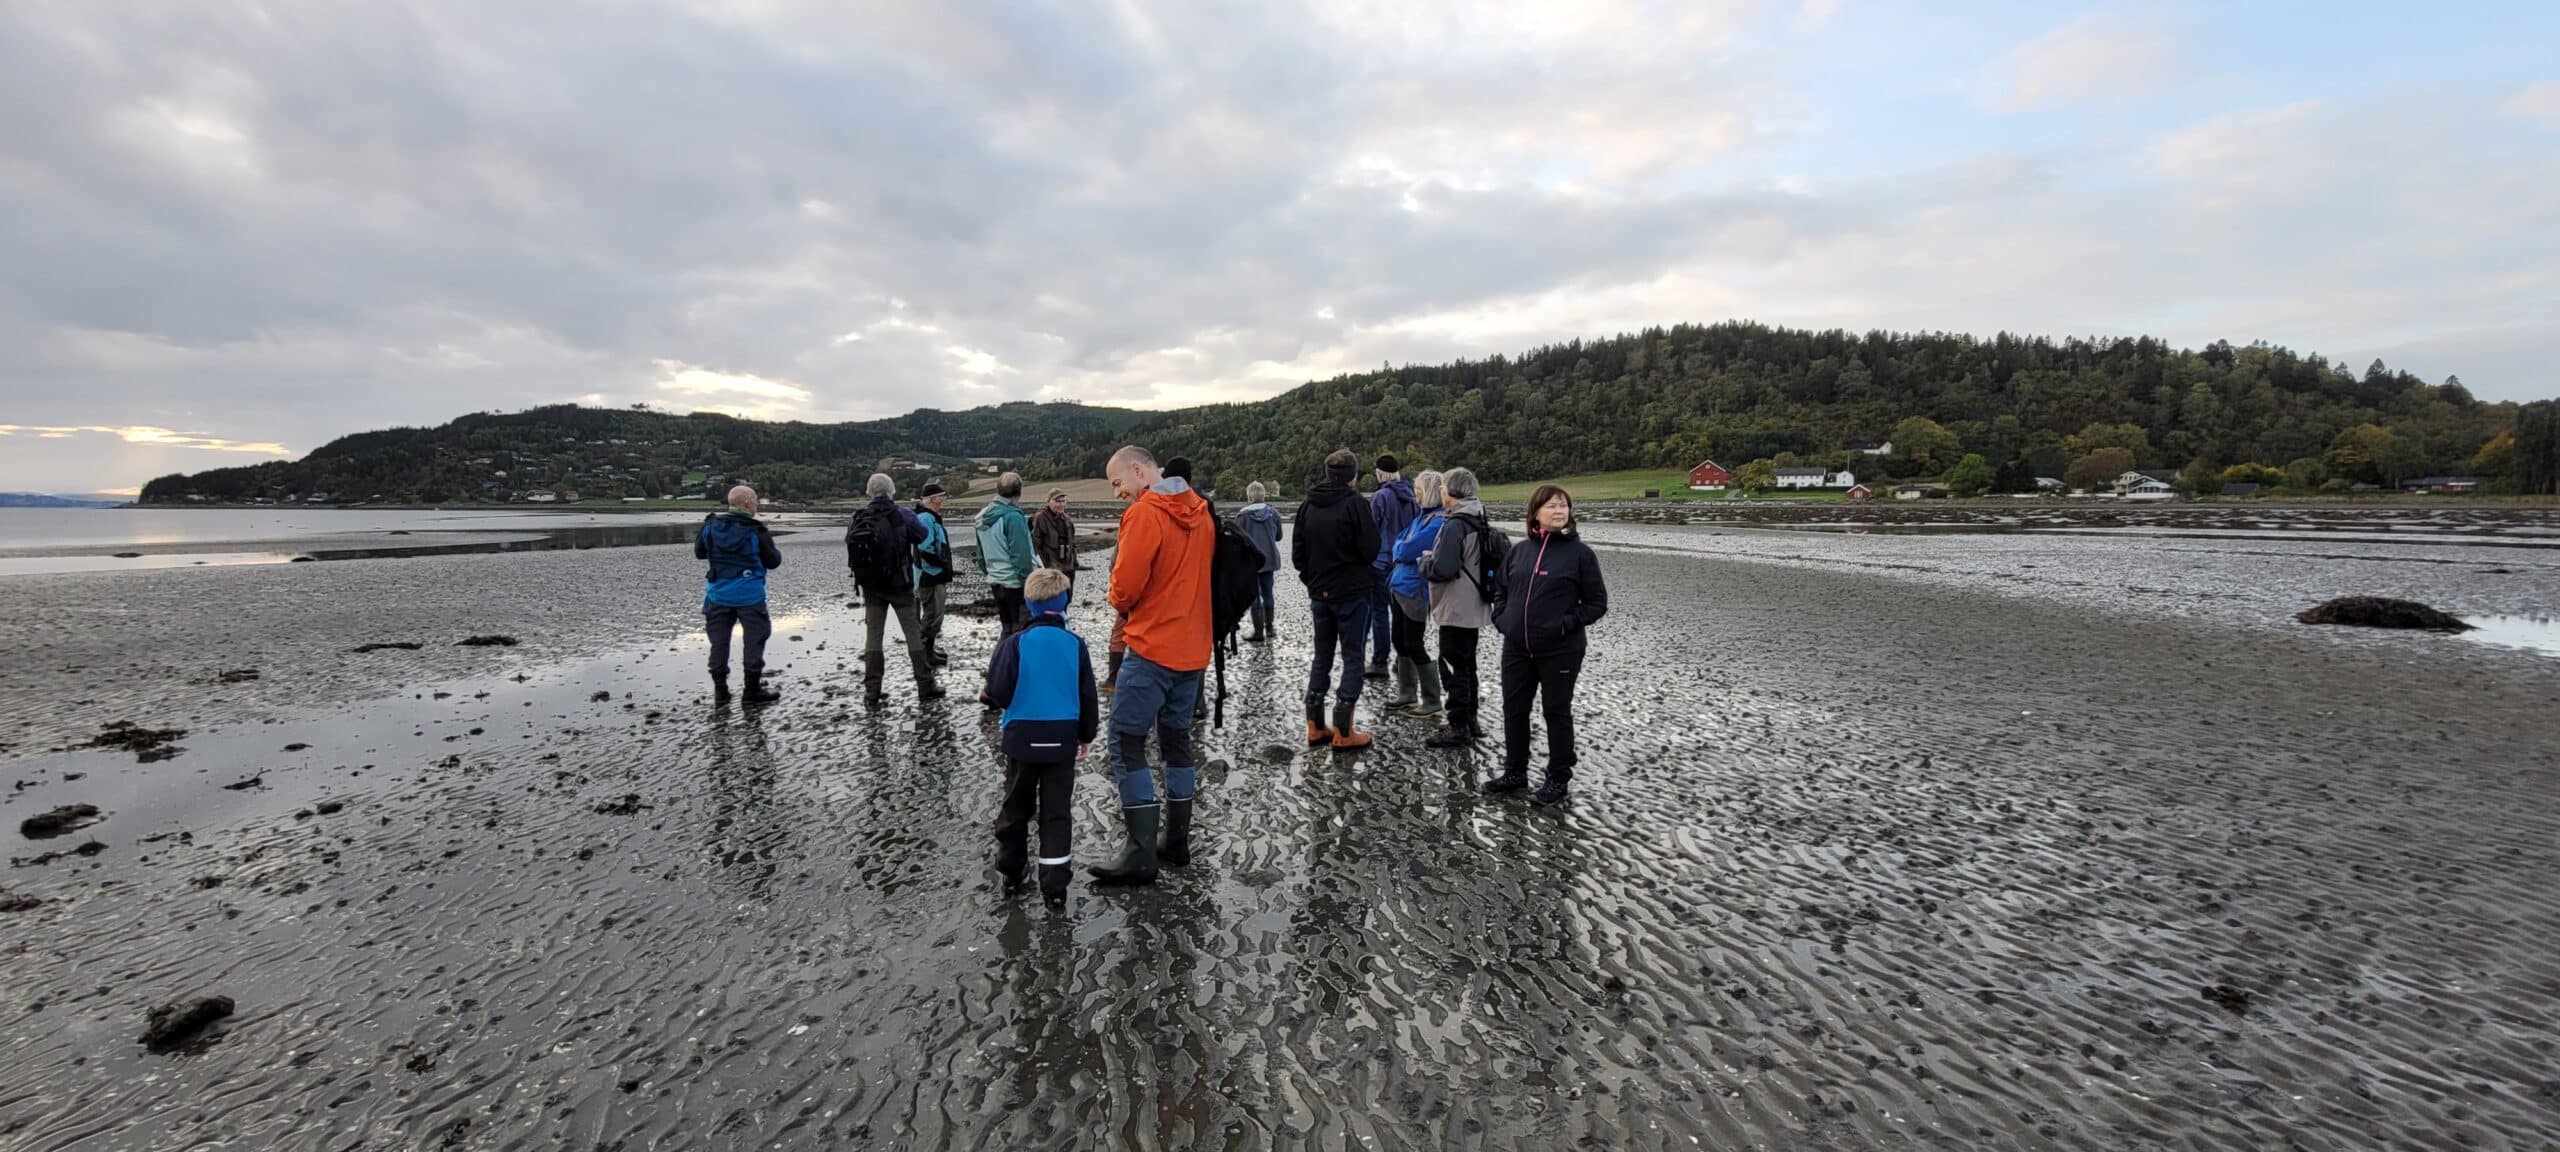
x=1543, y=540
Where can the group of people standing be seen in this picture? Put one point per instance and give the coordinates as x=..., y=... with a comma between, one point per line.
x=1382, y=572
x=1377, y=570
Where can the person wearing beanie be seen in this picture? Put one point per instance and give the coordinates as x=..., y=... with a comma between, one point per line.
x=1393, y=508
x=1005, y=551
x=1043, y=679
x=932, y=570
x=1334, y=545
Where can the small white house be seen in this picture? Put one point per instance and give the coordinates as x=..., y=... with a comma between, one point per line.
x=1811, y=478
x=1884, y=448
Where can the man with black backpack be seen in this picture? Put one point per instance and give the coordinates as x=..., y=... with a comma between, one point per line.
x=879, y=547
x=1464, y=568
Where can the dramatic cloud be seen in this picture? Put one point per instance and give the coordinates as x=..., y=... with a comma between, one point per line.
x=272, y=225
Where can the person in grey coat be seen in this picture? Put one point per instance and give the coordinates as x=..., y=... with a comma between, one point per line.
x=1461, y=605
x=1260, y=523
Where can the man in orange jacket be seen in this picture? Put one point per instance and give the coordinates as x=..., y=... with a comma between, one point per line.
x=1160, y=585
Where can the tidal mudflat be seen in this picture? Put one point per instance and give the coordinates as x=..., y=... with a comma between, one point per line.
x=1984, y=842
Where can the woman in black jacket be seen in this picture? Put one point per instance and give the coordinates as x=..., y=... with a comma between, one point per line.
x=1551, y=591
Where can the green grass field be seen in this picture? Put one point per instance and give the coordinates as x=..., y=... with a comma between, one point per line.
x=1674, y=485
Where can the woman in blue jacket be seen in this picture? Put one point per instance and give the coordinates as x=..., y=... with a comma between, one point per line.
x=1551, y=592
x=1410, y=596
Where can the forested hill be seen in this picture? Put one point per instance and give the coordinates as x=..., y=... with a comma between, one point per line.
x=603, y=453
x=1662, y=398
x=1738, y=392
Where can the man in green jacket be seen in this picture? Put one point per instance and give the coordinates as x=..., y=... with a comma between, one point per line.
x=1004, y=547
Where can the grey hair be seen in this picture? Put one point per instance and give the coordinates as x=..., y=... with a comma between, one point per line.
x=1426, y=488
x=1009, y=485
x=1461, y=482
x=879, y=485
x=1254, y=492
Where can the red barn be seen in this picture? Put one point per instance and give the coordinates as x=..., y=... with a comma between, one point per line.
x=1709, y=477
x=1861, y=492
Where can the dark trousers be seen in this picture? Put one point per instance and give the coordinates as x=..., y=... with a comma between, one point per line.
x=1010, y=611
x=1048, y=789
x=1547, y=678
x=1382, y=611
x=1342, y=624
x=1458, y=672
x=1411, y=636
x=751, y=618
x=1262, y=598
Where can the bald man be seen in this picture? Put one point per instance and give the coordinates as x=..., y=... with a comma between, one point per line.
x=1160, y=586
x=739, y=549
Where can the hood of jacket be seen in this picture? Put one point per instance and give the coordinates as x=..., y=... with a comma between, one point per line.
x=1403, y=489
x=1182, y=504
x=1468, y=507
x=1329, y=493
x=998, y=509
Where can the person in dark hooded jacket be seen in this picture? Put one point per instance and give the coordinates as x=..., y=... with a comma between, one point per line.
x=740, y=550
x=1334, y=546
x=1393, y=507
x=1551, y=591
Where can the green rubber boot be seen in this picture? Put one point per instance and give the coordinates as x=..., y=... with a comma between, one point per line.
x=1137, y=862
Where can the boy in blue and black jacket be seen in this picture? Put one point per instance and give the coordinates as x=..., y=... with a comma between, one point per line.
x=1043, y=679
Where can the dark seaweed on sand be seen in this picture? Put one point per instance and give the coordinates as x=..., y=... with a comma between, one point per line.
x=175, y=1026
x=2382, y=612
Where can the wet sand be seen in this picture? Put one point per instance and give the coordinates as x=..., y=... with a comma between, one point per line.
x=1858, y=856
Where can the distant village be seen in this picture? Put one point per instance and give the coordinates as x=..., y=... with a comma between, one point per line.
x=2151, y=485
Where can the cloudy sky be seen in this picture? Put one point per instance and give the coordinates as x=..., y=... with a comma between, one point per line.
x=232, y=230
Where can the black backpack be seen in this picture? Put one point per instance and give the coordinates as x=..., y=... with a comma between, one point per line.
x=1490, y=553
x=872, y=552
x=1235, y=582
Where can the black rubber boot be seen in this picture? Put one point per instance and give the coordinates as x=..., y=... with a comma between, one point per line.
x=1137, y=862
x=1013, y=858
x=871, y=667
x=720, y=688
x=1053, y=884
x=1261, y=626
x=1176, y=851
x=1512, y=780
x=756, y=692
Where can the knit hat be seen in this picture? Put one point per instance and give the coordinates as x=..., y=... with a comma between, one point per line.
x=1387, y=463
x=1178, y=466
x=1340, y=473
x=932, y=488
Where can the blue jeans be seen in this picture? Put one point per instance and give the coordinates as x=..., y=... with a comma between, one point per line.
x=1339, y=624
x=1382, y=620
x=1153, y=696
x=1262, y=599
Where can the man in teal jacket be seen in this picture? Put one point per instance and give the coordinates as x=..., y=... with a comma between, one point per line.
x=1004, y=546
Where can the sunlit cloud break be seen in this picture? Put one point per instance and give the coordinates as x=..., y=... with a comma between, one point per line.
x=146, y=434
